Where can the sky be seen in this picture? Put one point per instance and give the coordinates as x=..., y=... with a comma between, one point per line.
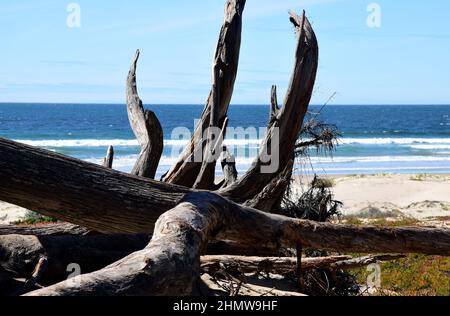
x=371, y=51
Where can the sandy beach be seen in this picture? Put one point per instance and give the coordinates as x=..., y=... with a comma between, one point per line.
x=423, y=197
x=10, y=213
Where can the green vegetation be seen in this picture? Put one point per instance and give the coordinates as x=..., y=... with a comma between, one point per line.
x=32, y=218
x=326, y=183
x=404, y=221
x=419, y=177
x=416, y=275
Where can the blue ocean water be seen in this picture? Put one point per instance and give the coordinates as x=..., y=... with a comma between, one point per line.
x=376, y=138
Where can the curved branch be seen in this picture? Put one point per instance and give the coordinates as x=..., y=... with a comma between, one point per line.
x=186, y=169
x=146, y=127
x=206, y=176
x=286, y=130
x=270, y=198
x=170, y=264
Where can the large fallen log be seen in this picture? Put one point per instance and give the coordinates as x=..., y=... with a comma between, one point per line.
x=44, y=230
x=112, y=202
x=170, y=264
x=20, y=254
x=212, y=264
x=81, y=193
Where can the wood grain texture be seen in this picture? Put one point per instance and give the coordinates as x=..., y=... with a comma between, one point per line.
x=186, y=170
x=81, y=193
x=170, y=264
x=45, y=230
x=108, y=160
x=145, y=126
x=287, y=126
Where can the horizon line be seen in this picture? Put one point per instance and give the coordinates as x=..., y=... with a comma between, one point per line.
x=232, y=104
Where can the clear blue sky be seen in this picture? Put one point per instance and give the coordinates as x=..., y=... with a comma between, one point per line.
x=406, y=60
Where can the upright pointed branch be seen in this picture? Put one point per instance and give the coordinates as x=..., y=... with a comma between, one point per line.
x=186, y=169
x=274, y=108
x=228, y=162
x=146, y=127
x=108, y=160
x=287, y=128
x=205, y=179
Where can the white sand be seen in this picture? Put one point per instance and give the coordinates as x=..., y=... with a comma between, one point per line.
x=416, y=196
x=10, y=213
x=423, y=197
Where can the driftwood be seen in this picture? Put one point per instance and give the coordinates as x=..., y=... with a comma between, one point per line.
x=183, y=221
x=38, y=272
x=185, y=170
x=270, y=198
x=216, y=287
x=20, y=254
x=230, y=174
x=108, y=161
x=81, y=193
x=364, y=261
x=146, y=127
x=287, y=126
x=44, y=230
x=182, y=234
x=211, y=264
x=69, y=189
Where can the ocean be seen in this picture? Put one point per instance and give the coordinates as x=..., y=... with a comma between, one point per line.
x=376, y=138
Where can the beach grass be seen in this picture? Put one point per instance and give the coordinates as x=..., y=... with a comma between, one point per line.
x=415, y=275
x=32, y=218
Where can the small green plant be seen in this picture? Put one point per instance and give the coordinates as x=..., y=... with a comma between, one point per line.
x=326, y=183
x=419, y=177
x=353, y=220
x=416, y=275
x=32, y=218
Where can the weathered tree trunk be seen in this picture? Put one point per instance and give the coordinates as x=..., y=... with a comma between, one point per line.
x=212, y=264
x=81, y=193
x=230, y=174
x=108, y=161
x=185, y=171
x=364, y=261
x=45, y=230
x=286, y=127
x=20, y=254
x=170, y=264
x=146, y=127
x=107, y=201
x=270, y=198
x=112, y=202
